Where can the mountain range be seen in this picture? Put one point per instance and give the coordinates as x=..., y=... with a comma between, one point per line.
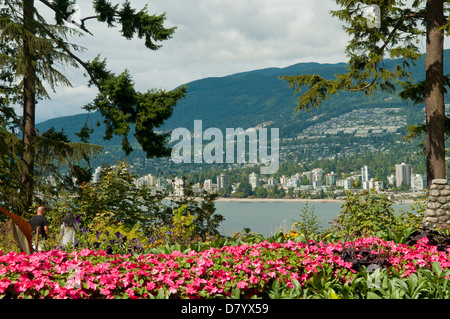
x=256, y=98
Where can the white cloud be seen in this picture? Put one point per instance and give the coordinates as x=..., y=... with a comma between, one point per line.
x=213, y=38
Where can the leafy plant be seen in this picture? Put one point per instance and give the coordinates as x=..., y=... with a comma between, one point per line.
x=365, y=213
x=181, y=230
x=309, y=223
x=411, y=219
x=206, y=221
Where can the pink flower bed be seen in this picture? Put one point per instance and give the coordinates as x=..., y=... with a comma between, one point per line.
x=210, y=273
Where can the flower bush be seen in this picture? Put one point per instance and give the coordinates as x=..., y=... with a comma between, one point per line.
x=362, y=268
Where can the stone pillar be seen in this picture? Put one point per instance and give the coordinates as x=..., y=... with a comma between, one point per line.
x=437, y=213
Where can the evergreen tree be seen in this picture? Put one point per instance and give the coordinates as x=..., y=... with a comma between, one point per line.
x=32, y=49
x=395, y=32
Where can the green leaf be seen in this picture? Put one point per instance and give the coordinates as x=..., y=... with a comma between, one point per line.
x=332, y=294
x=235, y=293
x=436, y=266
x=372, y=295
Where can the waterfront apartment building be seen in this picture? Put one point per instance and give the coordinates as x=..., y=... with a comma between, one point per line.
x=149, y=180
x=346, y=183
x=208, y=185
x=283, y=180
x=371, y=183
x=178, y=186
x=391, y=179
x=317, y=175
x=222, y=181
x=293, y=181
x=330, y=179
x=365, y=174
x=309, y=176
x=253, y=180
x=403, y=174
x=418, y=182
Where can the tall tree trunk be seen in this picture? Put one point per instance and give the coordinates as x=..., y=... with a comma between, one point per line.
x=434, y=92
x=29, y=105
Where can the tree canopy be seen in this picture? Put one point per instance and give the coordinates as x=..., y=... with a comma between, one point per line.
x=395, y=31
x=33, y=48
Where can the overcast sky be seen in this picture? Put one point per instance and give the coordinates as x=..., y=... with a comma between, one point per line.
x=214, y=38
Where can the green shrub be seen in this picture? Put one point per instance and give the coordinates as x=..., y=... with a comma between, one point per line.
x=364, y=214
x=308, y=225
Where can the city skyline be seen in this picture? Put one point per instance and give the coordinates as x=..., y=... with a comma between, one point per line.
x=315, y=177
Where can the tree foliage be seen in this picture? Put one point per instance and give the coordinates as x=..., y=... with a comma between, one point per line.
x=117, y=196
x=398, y=34
x=121, y=106
x=34, y=52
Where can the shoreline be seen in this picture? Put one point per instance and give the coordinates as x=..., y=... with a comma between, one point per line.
x=299, y=200
x=294, y=200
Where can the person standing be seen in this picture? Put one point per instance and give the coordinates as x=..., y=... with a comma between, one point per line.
x=69, y=227
x=39, y=224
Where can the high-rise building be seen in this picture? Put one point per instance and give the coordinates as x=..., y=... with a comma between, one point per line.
x=253, y=180
x=402, y=174
x=178, y=186
x=365, y=173
x=330, y=179
x=309, y=176
x=222, y=181
x=207, y=185
x=317, y=175
x=418, y=182
x=146, y=180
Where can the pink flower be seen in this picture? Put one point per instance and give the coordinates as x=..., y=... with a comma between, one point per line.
x=105, y=291
x=253, y=279
x=173, y=290
x=4, y=284
x=22, y=285
x=128, y=279
x=38, y=284
x=191, y=290
x=242, y=284
x=150, y=285
x=91, y=285
x=255, y=253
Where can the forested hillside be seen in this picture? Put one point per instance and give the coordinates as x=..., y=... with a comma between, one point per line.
x=259, y=97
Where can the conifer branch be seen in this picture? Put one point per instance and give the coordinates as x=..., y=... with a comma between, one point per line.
x=51, y=6
x=384, y=46
x=62, y=45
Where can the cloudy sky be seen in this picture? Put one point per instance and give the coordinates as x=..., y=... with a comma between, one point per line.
x=214, y=38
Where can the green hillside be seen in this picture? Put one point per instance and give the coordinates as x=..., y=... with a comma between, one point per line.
x=252, y=98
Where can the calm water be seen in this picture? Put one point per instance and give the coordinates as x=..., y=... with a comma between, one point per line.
x=267, y=218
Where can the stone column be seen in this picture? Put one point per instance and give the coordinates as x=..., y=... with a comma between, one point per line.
x=437, y=213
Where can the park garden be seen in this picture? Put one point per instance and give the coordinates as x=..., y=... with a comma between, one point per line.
x=133, y=244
